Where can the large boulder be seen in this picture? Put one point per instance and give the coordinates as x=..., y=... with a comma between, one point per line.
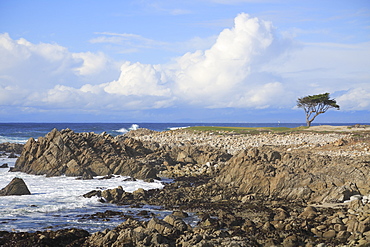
x=84, y=154
x=16, y=187
x=306, y=177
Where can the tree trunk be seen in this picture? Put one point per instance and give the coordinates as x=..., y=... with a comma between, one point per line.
x=308, y=121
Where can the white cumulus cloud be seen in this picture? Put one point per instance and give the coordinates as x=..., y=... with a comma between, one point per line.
x=219, y=76
x=248, y=66
x=139, y=79
x=29, y=70
x=223, y=76
x=355, y=99
x=226, y=75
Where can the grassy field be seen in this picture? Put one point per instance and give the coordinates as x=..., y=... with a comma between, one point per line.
x=246, y=130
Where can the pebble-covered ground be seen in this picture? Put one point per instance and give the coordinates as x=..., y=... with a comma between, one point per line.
x=338, y=143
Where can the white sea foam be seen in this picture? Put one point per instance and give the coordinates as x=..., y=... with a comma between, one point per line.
x=177, y=128
x=13, y=139
x=124, y=130
x=134, y=127
x=56, y=201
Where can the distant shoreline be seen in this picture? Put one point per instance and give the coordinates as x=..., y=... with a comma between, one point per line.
x=349, y=128
x=21, y=132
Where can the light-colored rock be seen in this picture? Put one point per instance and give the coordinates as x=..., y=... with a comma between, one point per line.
x=329, y=234
x=159, y=225
x=300, y=177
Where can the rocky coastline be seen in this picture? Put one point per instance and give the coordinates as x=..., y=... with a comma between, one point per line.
x=267, y=189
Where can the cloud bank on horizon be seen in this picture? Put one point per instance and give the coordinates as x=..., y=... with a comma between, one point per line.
x=249, y=65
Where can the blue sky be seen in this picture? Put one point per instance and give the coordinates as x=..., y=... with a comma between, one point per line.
x=182, y=61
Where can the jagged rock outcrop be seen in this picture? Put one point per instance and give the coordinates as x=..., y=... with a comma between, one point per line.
x=16, y=187
x=84, y=154
x=189, y=160
x=306, y=177
x=88, y=154
x=11, y=147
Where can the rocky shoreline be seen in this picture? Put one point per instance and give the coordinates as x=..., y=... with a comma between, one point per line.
x=267, y=189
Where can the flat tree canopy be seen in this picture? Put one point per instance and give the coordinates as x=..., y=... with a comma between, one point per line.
x=313, y=105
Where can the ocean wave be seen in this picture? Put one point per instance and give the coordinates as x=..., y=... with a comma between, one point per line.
x=177, y=128
x=13, y=139
x=121, y=130
x=124, y=130
x=134, y=127
x=53, y=196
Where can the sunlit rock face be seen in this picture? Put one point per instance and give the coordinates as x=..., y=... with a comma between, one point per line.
x=84, y=154
x=304, y=176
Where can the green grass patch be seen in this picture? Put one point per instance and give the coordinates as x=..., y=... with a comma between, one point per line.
x=246, y=130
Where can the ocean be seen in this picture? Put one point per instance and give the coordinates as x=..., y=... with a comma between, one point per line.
x=57, y=202
x=21, y=132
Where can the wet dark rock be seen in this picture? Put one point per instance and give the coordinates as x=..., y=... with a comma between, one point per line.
x=143, y=213
x=93, y=193
x=12, y=155
x=16, y=187
x=66, y=237
x=107, y=214
x=85, y=176
x=107, y=177
x=5, y=165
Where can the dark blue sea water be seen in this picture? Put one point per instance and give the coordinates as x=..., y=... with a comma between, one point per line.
x=21, y=132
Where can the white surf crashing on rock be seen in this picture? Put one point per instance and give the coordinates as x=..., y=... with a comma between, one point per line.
x=20, y=140
x=124, y=130
x=57, y=202
x=178, y=128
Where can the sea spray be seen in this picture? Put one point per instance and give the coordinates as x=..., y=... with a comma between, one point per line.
x=56, y=202
x=124, y=130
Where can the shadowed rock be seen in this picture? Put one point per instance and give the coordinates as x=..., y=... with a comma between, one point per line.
x=64, y=237
x=16, y=187
x=4, y=165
